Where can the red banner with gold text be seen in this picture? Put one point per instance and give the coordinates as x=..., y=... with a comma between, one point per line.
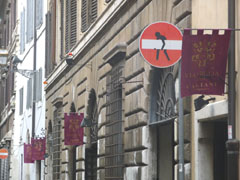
x=73, y=132
x=204, y=59
x=28, y=153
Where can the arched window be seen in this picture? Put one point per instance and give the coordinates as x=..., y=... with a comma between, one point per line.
x=162, y=116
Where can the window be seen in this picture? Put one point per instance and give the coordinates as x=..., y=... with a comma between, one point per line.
x=56, y=142
x=163, y=97
x=89, y=13
x=30, y=20
x=29, y=93
x=114, y=127
x=91, y=152
x=162, y=117
x=71, y=24
x=22, y=31
x=21, y=101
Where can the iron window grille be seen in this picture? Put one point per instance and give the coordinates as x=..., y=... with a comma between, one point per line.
x=163, y=98
x=57, y=143
x=114, y=134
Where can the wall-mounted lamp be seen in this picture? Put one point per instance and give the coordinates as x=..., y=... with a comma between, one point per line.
x=69, y=59
x=86, y=122
x=200, y=103
x=25, y=72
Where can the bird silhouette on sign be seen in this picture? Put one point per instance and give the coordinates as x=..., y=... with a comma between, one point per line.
x=163, y=38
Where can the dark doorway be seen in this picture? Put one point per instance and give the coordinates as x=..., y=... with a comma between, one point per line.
x=91, y=163
x=165, y=152
x=220, y=153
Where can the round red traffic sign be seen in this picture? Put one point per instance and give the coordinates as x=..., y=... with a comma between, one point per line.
x=161, y=44
x=3, y=153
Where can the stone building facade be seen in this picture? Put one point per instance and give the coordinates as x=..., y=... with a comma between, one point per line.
x=108, y=80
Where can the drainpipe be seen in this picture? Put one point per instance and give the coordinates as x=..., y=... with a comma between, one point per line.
x=232, y=143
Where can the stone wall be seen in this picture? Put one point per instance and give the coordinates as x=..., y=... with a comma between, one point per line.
x=91, y=72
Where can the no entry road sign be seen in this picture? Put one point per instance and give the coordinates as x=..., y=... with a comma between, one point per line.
x=161, y=44
x=3, y=153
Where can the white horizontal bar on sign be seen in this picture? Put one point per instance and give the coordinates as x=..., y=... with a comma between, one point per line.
x=3, y=154
x=157, y=44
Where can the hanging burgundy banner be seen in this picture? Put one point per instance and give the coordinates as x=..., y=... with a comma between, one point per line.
x=38, y=148
x=204, y=59
x=28, y=153
x=73, y=132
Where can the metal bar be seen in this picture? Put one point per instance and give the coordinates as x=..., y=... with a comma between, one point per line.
x=232, y=144
x=211, y=29
x=34, y=69
x=180, y=131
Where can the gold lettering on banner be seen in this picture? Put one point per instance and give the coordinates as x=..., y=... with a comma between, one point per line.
x=73, y=126
x=204, y=52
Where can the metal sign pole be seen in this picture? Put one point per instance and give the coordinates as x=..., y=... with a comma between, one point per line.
x=180, y=130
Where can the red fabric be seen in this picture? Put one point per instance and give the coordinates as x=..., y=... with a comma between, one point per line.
x=204, y=59
x=28, y=153
x=73, y=132
x=38, y=148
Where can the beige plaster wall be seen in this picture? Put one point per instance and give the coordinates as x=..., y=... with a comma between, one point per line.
x=207, y=14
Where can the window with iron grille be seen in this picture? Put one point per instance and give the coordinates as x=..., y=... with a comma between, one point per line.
x=91, y=163
x=162, y=116
x=91, y=152
x=89, y=13
x=163, y=97
x=71, y=24
x=56, y=143
x=114, y=133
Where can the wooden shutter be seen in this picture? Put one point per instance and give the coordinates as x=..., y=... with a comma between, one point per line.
x=39, y=13
x=39, y=85
x=21, y=101
x=30, y=18
x=48, y=45
x=94, y=10
x=84, y=15
x=29, y=93
x=21, y=33
x=62, y=28
x=67, y=26
x=73, y=23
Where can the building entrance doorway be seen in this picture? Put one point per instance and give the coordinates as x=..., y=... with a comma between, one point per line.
x=212, y=150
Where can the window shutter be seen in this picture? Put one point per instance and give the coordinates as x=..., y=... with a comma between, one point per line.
x=30, y=18
x=21, y=101
x=24, y=30
x=73, y=22
x=94, y=10
x=29, y=93
x=84, y=15
x=21, y=33
x=62, y=28
x=40, y=84
x=67, y=26
x=107, y=1
x=39, y=13
x=48, y=42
